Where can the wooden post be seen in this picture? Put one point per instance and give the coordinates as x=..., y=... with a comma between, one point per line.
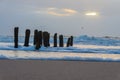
x=55, y=40
x=71, y=40
x=27, y=36
x=48, y=41
x=45, y=38
x=68, y=42
x=16, y=30
x=61, y=42
x=41, y=37
x=37, y=45
x=35, y=36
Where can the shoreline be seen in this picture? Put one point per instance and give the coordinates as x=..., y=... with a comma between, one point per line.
x=58, y=70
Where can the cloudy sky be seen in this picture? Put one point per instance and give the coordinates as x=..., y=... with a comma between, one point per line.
x=68, y=17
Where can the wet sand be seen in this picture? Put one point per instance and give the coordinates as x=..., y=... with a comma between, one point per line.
x=58, y=70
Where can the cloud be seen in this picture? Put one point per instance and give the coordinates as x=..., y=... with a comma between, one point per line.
x=61, y=12
x=57, y=11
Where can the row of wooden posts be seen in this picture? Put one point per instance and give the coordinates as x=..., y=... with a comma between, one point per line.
x=41, y=38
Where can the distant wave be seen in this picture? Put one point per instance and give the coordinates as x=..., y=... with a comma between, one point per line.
x=83, y=39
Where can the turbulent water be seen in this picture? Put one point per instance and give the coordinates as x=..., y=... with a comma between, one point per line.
x=84, y=39
x=84, y=48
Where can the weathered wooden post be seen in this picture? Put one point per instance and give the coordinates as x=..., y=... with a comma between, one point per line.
x=41, y=37
x=48, y=41
x=71, y=40
x=37, y=45
x=68, y=42
x=45, y=38
x=35, y=36
x=55, y=40
x=16, y=30
x=27, y=36
x=61, y=42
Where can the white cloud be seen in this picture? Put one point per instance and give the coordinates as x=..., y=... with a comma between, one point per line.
x=61, y=12
x=57, y=11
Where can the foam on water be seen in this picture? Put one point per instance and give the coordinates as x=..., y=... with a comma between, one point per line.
x=85, y=48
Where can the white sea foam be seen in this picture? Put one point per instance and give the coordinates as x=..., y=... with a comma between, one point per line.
x=84, y=48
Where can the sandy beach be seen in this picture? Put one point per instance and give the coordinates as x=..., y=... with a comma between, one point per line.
x=58, y=70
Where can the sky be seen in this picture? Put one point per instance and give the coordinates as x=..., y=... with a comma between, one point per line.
x=68, y=17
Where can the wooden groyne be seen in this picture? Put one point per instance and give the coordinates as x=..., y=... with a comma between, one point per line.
x=41, y=38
